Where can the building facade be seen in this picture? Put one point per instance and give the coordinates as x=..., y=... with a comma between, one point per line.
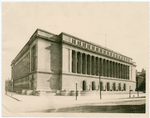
x=50, y=62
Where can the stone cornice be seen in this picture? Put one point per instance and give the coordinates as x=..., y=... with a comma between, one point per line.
x=93, y=76
x=38, y=33
x=91, y=43
x=101, y=54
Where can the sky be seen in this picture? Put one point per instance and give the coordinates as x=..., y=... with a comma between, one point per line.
x=119, y=26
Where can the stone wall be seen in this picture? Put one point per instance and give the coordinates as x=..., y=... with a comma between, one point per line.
x=69, y=83
x=49, y=65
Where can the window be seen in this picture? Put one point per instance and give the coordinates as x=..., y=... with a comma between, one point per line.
x=84, y=44
x=79, y=43
x=96, y=49
x=107, y=53
x=93, y=48
x=110, y=54
x=124, y=87
x=101, y=50
x=104, y=51
x=73, y=41
x=88, y=46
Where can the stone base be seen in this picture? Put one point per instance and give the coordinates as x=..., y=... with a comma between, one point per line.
x=44, y=93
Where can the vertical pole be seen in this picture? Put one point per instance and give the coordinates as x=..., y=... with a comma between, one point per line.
x=100, y=86
x=129, y=91
x=76, y=91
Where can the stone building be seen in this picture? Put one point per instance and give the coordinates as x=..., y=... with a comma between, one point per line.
x=50, y=62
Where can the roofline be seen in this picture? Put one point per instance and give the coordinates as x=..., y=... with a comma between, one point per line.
x=30, y=39
x=94, y=44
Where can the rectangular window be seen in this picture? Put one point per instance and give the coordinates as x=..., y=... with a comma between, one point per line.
x=73, y=41
x=93, y=48
x=104, y=51
x=107, y=53
x=84, y=45
x=79, y=43
x=88, y=46
x=97, y=49
x=101, y=50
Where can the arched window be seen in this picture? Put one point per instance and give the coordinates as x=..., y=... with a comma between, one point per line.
x=124, y=87
x=93, y=85
x=119, y=87
x=108, y=86
x=114, y=86
x=84, y=85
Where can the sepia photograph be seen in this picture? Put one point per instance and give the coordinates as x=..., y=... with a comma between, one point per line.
x=75, y=59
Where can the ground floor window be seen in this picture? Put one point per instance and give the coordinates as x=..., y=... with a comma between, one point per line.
x=114, y=86
x=84, y=85
x=124, y=87
x=108, y=86
x=93, y=85
x=119, y=87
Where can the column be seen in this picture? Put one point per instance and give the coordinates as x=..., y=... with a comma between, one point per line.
x=74, y=61
x=120, y=71
x=124, y=71
x=101, y=67
x=80, y=63
x=90, y=65
x=114, y=70
x=70, y=64
x=128, y=71
x=97, y=66
x=94, y=65
x=84, y=62
x=111, y=69
x=106, y=68
x=117, y=70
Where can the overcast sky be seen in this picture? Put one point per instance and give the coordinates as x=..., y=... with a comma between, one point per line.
x=125, y=25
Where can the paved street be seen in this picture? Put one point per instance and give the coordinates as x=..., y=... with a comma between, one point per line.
x=41, y=104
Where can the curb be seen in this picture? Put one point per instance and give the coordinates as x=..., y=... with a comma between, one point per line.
x=13, y=97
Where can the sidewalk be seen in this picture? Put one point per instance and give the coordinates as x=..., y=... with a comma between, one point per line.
x=34, y=103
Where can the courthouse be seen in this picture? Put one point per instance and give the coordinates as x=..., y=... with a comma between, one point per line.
x=50, y=62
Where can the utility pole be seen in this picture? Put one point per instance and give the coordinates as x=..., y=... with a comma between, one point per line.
x=100, y=86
